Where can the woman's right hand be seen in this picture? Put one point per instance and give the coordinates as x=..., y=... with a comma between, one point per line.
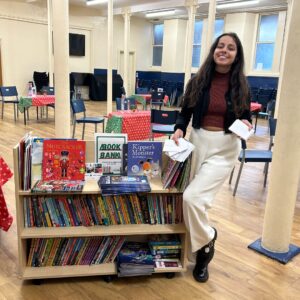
x=177, y=135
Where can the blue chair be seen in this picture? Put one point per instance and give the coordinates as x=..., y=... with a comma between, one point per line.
x=163, y=121
x=257, y=156
x=79, y=107
x=9, y=94
x=130, y=100
x=157, y=99
x=142, y=90
x=49, y=90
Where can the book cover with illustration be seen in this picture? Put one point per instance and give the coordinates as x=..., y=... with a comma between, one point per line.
x=63, y=160
x=36, y=159
x=145, y=158
x=109, y=151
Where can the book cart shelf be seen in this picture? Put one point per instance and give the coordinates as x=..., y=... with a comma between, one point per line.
x=138, y=231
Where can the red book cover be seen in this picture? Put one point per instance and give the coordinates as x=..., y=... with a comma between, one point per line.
x=63, y=160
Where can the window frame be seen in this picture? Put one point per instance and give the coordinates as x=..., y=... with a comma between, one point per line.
x=157, y=45
x=257, y=42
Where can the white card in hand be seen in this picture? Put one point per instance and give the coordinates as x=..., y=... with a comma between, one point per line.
x=241, y=129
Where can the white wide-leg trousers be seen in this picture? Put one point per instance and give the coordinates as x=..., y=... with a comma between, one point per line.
x=214, y=156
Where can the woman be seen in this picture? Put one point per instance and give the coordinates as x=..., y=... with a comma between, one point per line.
x=215, y=97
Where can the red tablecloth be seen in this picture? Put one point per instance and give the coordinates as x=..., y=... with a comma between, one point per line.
x=147, y=97
x=41, y=100
x=136, y=124
x=5, y=218
x=255, y=107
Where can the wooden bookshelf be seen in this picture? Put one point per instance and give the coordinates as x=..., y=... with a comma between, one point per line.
x=91, y=187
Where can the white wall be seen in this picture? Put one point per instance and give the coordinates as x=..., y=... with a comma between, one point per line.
x=174, y=45
x=244, y=25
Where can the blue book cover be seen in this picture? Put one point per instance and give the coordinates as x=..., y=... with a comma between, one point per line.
x=144, y=158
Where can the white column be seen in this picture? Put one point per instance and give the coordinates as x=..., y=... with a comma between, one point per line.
x=50, y=42
x=210, y=25
x=126, y=16
x=60, y=9
x=285, y=171
x=109, y=54
x=192, y=7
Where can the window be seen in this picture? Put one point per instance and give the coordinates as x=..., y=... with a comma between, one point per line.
x=265, y=42
x=197, y=43
x=219, y=28
x=158, y=37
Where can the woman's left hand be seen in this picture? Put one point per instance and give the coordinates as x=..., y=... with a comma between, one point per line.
x=247, y=123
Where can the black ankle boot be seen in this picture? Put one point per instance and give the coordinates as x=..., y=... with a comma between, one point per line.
x=204, y=256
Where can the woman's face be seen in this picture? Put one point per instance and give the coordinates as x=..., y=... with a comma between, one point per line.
x=225, y=53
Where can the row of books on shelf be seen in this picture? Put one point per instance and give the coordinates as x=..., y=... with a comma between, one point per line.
x=73, y=251
x=90, y=210
x=133, y=258
x=59, y=165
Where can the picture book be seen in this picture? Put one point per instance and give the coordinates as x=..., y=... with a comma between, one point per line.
x=93, y=171
x=58, y=186
x=144, y=158
x=109, y=151
x=36, y=159
x=63, y=160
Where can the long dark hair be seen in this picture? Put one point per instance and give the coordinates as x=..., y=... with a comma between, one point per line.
x=238, y=85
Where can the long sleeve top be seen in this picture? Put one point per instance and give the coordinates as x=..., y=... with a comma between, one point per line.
x=200, y=109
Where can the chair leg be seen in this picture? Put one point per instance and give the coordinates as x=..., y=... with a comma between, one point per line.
x=103, y=126
x=15, y=113
x=255, y=122
x=2, y=113
x=83, y=130
x=238, y=178
x=266, y=174
x=95, y=127
x=74, y=126
x=231, y=175
x=37, y=112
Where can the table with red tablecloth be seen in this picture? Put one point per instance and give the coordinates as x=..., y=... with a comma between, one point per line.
x=255, y=107
x=135, y=123
x=147, y=98
x=5, y=218
x=38, y=100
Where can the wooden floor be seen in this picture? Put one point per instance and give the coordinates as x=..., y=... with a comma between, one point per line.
x=235, y=272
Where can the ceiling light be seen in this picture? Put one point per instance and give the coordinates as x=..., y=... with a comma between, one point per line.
x=160, y=13
x=94, y=2
x=237, y=4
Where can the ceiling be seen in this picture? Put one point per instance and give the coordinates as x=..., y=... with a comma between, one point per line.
x=138, y=8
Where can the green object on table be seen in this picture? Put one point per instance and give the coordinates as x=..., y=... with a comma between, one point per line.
x=141, y=100
x=24, y=103
x=114, y=124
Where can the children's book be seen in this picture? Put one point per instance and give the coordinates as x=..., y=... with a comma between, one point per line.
x=93, y=171
x=58, y=186
x=109, y=151
x=144, y=158
x=63, y=160
x=36, y=159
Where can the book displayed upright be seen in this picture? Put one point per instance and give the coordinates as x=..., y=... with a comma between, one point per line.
x=63, y=160
x=109, y=151
x=144, y=158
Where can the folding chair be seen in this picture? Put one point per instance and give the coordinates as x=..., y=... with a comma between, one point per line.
x=163, y=121
x=9, y=94
x=79, y=107
x=257, y=156
x=157, y=99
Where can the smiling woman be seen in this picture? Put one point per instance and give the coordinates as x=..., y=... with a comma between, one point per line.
x=216, y=96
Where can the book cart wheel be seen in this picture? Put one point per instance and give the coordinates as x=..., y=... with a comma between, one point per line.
x=108, y=278
x=37, y=281
x=170, y=275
